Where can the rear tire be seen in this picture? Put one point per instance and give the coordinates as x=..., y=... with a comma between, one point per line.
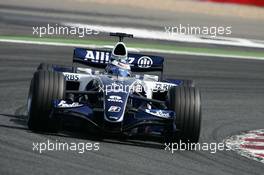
x=50, y=67
x=45, y=86
x=188, y=83
x=186, y=102
x=45, y=67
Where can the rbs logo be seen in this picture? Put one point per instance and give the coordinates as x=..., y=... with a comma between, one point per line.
x=71, y=77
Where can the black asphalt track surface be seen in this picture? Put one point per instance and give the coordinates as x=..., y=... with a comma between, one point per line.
x=232, y=101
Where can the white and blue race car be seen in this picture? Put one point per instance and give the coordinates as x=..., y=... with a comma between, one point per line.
x=118, y=100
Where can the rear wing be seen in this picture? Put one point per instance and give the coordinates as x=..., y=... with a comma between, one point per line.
x=100, y=58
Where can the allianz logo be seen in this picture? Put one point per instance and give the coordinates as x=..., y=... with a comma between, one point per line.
x=145, y=62
x=97, y=56
x=103, y=57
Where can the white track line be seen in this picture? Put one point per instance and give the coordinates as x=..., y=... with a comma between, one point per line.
x=131, y=49
x=162, y=35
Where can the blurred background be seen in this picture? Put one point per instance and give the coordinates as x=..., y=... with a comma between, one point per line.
x=245, y=16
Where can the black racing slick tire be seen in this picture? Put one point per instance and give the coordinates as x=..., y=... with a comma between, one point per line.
x=186, y=102
x=45, y=67
x=50, y=67
x=188, y=83
x=45, y=86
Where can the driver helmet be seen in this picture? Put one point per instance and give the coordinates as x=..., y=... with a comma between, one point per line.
x=118, y=64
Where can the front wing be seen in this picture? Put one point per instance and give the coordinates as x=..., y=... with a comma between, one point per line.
x=146, y=121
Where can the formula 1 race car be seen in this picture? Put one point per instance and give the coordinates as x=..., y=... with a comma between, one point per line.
x=119, y=99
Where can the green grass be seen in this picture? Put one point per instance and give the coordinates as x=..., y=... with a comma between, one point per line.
x=166, y=47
